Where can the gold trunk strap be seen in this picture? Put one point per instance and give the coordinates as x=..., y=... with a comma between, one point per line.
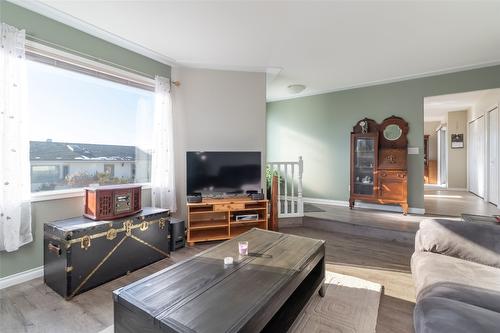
x=109, y=255
x=151, y=246
x=97, y=267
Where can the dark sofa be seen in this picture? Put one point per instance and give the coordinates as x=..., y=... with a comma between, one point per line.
x=456, y=269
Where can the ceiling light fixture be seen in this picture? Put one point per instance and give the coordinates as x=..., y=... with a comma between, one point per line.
x=296, y=88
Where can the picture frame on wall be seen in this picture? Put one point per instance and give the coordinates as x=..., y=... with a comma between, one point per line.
x=457, y=141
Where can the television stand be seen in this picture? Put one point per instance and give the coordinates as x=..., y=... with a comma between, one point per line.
x=215, y=219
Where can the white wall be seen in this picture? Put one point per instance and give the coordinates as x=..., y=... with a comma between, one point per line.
x=430, y=128
x=123, y=169
x=216, y=110
x=490, y=99
x=457, y=157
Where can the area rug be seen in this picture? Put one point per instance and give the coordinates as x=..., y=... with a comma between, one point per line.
x=350, y=305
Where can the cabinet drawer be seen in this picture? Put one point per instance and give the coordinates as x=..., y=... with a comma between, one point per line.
x=392, y=175
x=392, y=185
x=226, y=207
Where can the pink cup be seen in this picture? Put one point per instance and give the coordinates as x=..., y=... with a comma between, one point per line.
x=243, y=248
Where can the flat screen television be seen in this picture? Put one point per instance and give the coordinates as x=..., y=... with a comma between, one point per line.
x=223, y=173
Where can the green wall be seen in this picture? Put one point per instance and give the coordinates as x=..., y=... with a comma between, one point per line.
x=58, y=34
x=31, y=255
x=318, y=127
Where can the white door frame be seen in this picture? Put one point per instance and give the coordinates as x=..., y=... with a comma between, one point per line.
x=469, y=155
x=488, y=157
x=469, y=151
x=442, y=146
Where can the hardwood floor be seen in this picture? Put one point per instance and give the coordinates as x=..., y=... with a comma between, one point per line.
x=437, y=202
x=391, y=225
x=33, y=307
x=454, y=203
x=387, y=263
x=365, y=217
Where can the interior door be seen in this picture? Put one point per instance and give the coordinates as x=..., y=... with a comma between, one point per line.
x=471, y=167
x=476, y=157
x=493, y=156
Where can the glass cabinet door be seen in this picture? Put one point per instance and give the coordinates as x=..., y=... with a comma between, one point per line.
x=364, y=160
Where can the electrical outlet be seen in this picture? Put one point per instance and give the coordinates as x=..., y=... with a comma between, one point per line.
x=413, y=151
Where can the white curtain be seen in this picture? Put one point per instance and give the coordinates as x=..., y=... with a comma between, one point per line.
x=15, y=206
x=162, y=164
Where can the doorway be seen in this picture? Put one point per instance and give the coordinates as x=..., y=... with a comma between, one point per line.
x=465, y=127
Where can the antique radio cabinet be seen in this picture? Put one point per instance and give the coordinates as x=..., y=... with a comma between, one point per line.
x=80, y=254
x=111, y=202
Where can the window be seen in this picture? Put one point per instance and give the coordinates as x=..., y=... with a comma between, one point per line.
x=65, y=171
x=109, y=169
x=45, y=173
x=86, y=130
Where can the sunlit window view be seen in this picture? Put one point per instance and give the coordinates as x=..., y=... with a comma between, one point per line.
x=85, y=130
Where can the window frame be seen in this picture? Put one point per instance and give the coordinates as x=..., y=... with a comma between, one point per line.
x=90, y=67
x=69, y=193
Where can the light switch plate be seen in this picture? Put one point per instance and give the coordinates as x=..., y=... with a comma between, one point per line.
x=413, y=151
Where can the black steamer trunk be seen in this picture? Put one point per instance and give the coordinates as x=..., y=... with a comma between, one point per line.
x=80, y=254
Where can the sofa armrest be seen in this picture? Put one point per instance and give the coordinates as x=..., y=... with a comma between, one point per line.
x=477, y=242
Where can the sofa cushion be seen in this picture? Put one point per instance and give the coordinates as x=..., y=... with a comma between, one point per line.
x=438, y=315
x=480, y=284
x=478, y=242
x=484, y=298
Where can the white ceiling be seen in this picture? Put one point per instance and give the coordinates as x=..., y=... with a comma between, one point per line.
x=437, y=107
x=324, y=45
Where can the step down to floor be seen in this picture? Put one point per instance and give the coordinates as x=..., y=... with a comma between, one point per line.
x=407, y=237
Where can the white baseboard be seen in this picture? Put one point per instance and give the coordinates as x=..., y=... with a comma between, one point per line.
x=456, y=189
x=435, y=186
x=326, y=202
x=388, y=208
x=21, y=277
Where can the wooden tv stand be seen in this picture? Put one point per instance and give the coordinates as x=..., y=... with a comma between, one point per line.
x=214, y=219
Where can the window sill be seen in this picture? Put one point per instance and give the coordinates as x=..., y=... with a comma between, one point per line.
x=65, y=194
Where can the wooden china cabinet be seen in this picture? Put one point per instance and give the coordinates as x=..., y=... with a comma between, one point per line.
x=379, y=162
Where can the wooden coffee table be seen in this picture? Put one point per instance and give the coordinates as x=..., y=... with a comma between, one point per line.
x=264, y=291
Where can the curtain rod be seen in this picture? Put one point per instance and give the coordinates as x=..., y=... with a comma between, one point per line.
x=88, y=56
